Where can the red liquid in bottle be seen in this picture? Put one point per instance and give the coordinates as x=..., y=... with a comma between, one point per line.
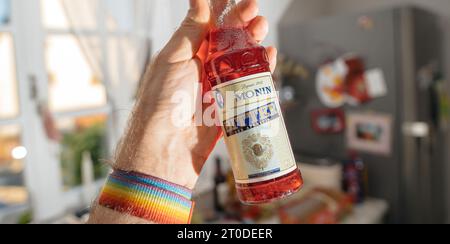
x=233, y=54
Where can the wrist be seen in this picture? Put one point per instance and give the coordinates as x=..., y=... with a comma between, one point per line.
x=160, y=153
x=147, y=197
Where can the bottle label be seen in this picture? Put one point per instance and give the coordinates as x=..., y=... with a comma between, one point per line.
x=255, y=133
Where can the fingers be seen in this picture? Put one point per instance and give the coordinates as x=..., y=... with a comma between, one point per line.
x=241, y=15
x=199, y=10
x=246, y=11
x=272, y=53
x=259, y=28
x=186, y=41
x=246, y=15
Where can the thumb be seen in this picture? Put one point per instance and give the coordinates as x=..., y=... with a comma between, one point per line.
x=187, y=40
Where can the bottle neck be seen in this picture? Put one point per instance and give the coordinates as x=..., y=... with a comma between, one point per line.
x=220, y=11
x=227, y=32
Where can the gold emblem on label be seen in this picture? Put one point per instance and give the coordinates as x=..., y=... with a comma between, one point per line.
x=258, y=150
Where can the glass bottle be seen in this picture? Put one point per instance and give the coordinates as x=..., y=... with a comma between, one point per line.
x=238, y=70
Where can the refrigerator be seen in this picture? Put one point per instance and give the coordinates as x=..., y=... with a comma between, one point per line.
x=400, y=41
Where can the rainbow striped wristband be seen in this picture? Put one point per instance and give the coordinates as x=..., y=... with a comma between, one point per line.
x=147, y=197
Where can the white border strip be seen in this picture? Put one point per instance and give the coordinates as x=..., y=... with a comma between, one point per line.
x=269, y=177
x=245, y=78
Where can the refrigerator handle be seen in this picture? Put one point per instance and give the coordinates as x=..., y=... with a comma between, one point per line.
x=421, y=133
x=416, y=129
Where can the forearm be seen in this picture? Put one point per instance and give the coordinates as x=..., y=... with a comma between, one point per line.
x=149, y=150
x=152, y=145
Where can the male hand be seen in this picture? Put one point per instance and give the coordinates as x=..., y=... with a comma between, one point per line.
x=154, y=145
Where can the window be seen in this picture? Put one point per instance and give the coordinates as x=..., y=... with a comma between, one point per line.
x=119, y=15
x=12, y=190
x=76, y=86
x=5, y=11
x=72, y=61
x=54, y=14
x=8, y=92
x=84, y=148
x=72, y=83
x=82, y=54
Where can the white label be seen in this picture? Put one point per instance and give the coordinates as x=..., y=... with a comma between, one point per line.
x=254, y=129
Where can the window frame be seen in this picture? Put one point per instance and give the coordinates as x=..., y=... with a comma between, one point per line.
x=12, y=28
x=42, y=173
x=76, y=197
x=31, y=74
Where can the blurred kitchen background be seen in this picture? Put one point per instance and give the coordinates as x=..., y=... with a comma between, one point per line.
x=364, y=86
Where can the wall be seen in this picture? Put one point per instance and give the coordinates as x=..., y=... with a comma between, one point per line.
x=305, y=10
x=273, y=11
x=438, y=6
x=335, y=6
